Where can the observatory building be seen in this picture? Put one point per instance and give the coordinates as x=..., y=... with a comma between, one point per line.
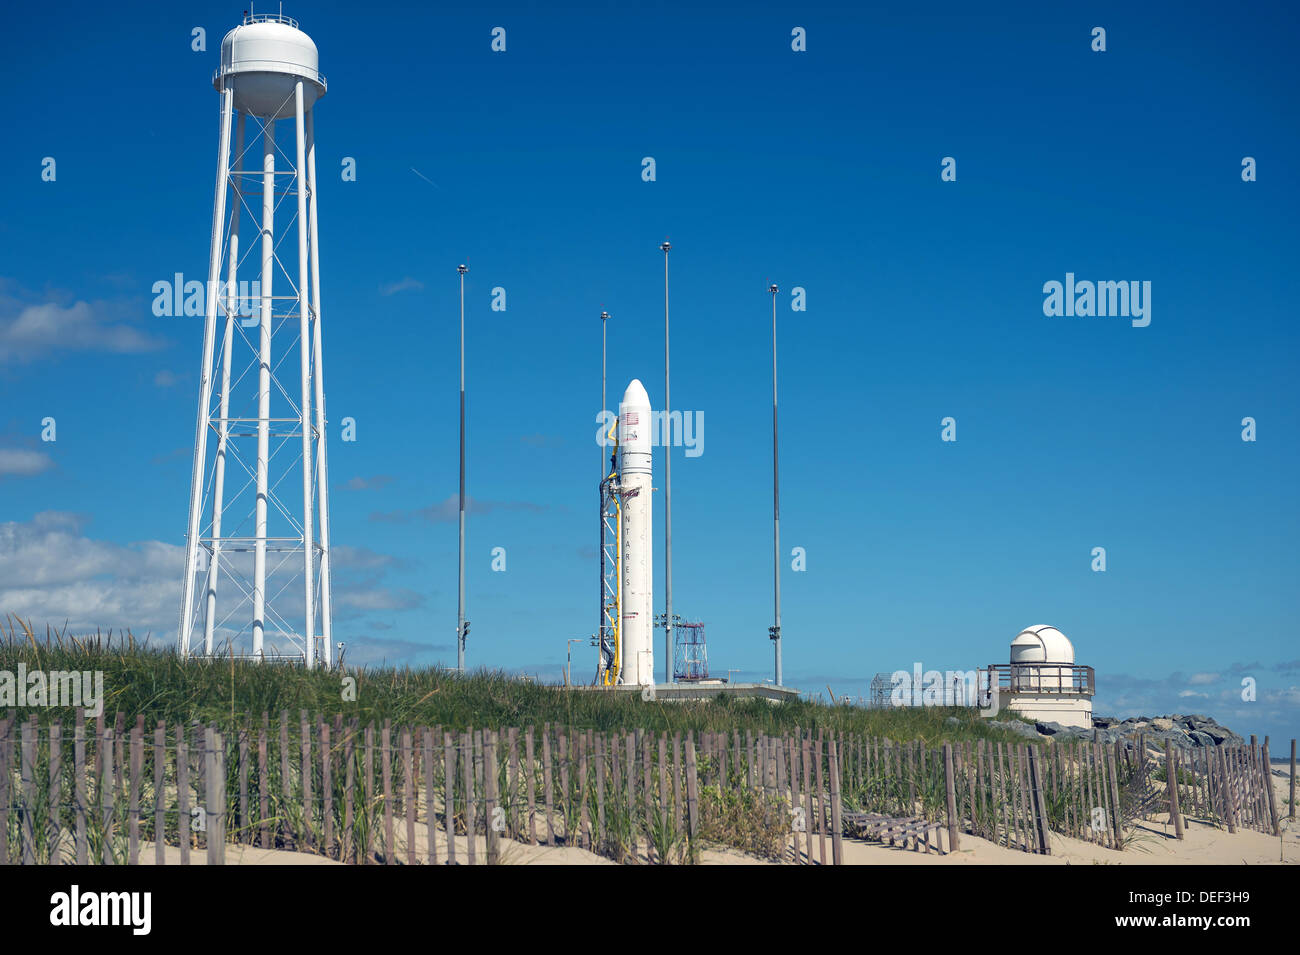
x=1042, y=681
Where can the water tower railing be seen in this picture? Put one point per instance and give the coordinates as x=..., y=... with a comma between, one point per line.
x=270, y=18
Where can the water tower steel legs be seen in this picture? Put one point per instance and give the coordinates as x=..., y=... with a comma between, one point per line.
x=304, y=353
x=264, y=386
x=205, y=384
x=322, y=474
x=233, y=306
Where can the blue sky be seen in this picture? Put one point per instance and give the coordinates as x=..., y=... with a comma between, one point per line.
x=818, y=169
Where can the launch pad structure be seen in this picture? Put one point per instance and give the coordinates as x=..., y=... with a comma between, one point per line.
x=690, y=653
x=700, y=690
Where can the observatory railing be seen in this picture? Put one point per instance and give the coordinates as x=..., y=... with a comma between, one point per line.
x=1064, y=678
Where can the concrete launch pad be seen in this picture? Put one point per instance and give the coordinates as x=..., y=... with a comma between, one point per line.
x=704, y=690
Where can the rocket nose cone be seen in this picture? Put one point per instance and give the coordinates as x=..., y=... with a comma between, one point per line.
x=636, y=395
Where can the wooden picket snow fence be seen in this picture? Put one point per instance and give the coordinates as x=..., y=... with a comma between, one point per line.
x=109, y=793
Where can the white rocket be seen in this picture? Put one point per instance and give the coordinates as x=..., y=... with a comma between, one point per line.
x=635, y=421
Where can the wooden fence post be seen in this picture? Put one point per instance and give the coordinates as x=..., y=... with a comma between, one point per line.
x=326, y=790
x=663, y=786
x=285, y=782
x=199, y=783
x=566, y=793
x=386, y=770
x=6, y=767
x=430, y=815
x=471, y=823
x=1272, y=796
x=692, y=788
x=1171, y=780
x=629, y=745
x=1291, y=814
x=56, y=792
x=408, y=793
x=968, y=758
x=27, y=774
x=547, y=785
x=600, y=790
x=308, y=807
x=79, y=785
x=821, y=800
x=215, y=812
x=1015, y=804
x=1096, y=778
x=530, y=776
x=805, y=758
x=837, y=818
x=1226, y=789
x=183, y=826
x=264, y=782
x=1114, y=797
x=490, y=797
x=792, y=754
x=954, y=838
x=1040, y=803
x=678, y=820
x=512, y=793
x=159, y=793
x=244, y=830
x=449, y=797
x=137, y=766
x=584, y=819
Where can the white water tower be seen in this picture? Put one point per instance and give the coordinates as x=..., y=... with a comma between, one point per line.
x=257, y=557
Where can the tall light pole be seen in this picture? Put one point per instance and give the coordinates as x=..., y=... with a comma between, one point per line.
x=667, y=432
x=775, y=632
x=604, y=338
x=461, y=629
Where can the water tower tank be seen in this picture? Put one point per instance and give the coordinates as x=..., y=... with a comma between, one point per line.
x=261, y=61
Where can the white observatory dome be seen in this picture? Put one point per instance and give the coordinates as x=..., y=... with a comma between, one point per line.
x=262, y=60
x=1041, y=644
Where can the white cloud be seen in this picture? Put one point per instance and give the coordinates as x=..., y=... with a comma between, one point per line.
x=392, y=288
x=1202, y=679
x=343, y=557
x=23, y=463
x=50, y=572
x=368, y=484
x=1290, y=696
x=33, y=329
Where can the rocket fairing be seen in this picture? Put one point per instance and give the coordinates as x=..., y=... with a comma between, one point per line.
x=635, y=423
